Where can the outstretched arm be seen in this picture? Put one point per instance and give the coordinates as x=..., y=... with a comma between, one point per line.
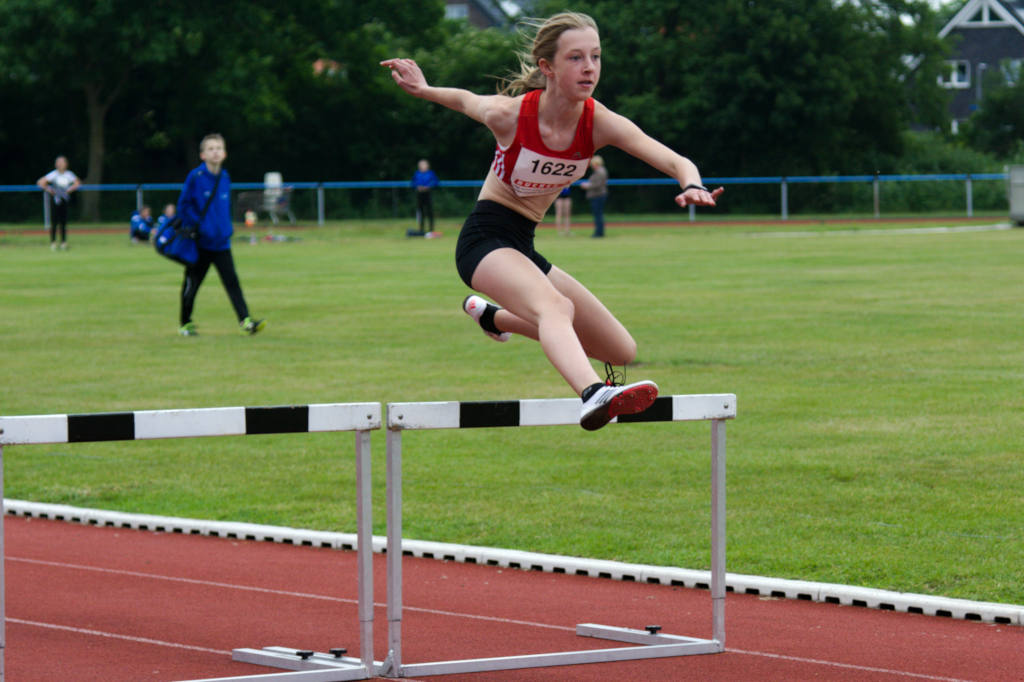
x=490, y=110
x=619, y=131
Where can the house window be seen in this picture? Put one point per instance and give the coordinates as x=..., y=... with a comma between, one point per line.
x=1011, y=70
x=959, y=75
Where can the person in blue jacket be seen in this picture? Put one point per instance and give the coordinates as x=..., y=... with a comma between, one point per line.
x=170, y=210
x=141, y=225
x=215, y=232
x=423, y=181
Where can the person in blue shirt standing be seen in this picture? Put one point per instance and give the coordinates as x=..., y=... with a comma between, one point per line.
x=215, y=232
x=424, y=180
x=141, y=225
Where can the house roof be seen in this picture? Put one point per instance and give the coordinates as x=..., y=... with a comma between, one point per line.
x=987, y=14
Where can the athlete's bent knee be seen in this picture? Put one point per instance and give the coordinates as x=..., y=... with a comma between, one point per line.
x=556, y=306
x=623, y=353
x=563, y=305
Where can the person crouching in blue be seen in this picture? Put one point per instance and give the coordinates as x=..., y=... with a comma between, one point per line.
x=215, y=230
x=170, y=210
x=141, y=225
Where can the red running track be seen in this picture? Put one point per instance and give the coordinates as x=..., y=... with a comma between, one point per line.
x=87, y=603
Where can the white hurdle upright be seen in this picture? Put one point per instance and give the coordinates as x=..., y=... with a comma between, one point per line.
x=715, y=408
x=235, y=421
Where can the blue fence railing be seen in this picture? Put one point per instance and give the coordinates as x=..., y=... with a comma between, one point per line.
x=781, y=180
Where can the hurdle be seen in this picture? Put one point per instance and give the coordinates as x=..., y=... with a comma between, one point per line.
x=649, y=643
x=234, y=421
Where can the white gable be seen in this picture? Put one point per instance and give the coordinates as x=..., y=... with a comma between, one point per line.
x=985, y=14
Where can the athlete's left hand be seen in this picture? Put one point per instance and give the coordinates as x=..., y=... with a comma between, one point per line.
x=699, y=197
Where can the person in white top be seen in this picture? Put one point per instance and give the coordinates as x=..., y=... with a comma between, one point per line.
x=59, y=184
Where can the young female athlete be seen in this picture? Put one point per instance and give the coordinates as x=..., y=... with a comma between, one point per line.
x=545, y=139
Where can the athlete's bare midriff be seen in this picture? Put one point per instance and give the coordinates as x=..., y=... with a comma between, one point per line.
x=533, y=207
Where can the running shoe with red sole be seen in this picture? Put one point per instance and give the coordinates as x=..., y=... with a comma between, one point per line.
x=608, y=402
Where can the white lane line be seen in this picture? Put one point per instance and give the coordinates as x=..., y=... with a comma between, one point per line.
x=455, y=614
x=283, y=593
x=850, y=666
x=188, y=581
x=113, y=635
x=877, y=232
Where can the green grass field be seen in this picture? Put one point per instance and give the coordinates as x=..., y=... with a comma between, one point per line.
x=879, y=380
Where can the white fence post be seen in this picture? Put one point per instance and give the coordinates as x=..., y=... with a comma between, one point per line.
x=875, y=192
x=969, y=188
x=784, y=190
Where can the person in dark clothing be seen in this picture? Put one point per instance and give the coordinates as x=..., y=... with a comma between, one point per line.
x=597, y=192
x=170, y=210
x=141, y=225
x=424, y=181
x=215, y=230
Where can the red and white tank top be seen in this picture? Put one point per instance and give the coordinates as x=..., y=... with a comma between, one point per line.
x=529, y=168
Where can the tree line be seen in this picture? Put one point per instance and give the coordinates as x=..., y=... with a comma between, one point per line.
x=127, y=89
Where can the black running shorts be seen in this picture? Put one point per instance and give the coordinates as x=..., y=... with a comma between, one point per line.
x=493, y=226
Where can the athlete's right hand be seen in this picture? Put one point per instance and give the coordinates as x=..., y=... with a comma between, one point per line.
x=699, y=197
x=407, y=74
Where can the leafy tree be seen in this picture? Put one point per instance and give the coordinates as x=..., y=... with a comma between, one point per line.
x=345, y=125
x=277, y=112
x=459, y=147
x=744, y=88
x=998, y=125
x=788, y=87
x=34, y=128
x=89, y=48
x=164, y=73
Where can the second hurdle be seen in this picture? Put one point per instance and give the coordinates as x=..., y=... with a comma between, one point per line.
x=649, y=643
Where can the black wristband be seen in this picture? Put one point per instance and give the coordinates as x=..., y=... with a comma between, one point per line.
x=694, y=186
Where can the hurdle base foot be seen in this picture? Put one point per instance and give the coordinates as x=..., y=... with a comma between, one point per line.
x=320, y=667
x=647, y=646
x=631, y=636
x=390, y=668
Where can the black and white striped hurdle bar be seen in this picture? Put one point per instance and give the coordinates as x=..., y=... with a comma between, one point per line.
x=192, y=423
x=715, y=408
x=232, y=421
x=550, y=412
